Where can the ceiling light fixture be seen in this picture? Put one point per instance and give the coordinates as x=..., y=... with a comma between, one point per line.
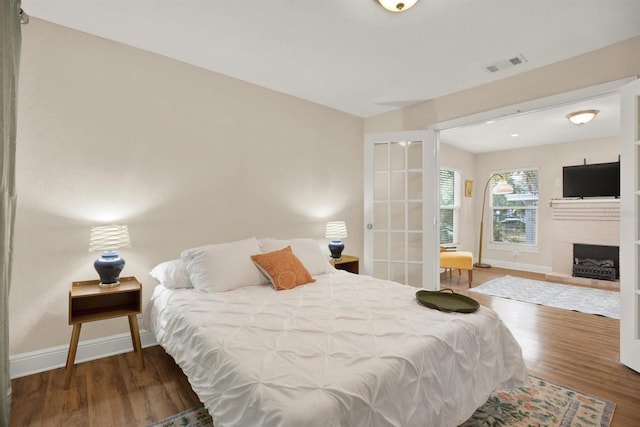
x=397, y=6
x=582, y=117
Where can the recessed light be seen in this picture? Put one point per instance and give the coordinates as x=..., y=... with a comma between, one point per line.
x=515, y=135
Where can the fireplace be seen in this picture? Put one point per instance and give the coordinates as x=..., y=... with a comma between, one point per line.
x=593, y=222
x=596, y=261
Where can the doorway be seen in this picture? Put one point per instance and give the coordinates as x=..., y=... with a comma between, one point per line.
x=626, y=149
x=540, y=138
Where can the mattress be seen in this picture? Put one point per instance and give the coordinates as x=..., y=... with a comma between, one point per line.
x=346, y=350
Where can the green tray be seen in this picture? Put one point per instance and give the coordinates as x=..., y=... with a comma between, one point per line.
x=449, y=302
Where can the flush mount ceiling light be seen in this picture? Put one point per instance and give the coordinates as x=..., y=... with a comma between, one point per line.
x=582, y=117
x=397, y=6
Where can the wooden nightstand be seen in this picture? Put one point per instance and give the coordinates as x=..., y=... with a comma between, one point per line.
x=88, y=302
x=348, y=263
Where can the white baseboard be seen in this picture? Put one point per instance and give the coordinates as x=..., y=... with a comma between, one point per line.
x=517, y=266
x=56, y=357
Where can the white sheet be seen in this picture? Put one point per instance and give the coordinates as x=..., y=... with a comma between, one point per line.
x=347, y=350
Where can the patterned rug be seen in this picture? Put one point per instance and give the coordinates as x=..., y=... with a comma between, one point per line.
x=539, y=403
x=576, y=298
x=542, y=403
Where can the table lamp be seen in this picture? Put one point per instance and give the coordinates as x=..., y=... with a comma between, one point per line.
x=335, y=231
x=108, y=238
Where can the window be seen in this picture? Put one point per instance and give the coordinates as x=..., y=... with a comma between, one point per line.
x=449, y=205
x=515, y=216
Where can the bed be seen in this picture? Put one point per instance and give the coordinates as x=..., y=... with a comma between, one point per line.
x=343, y=350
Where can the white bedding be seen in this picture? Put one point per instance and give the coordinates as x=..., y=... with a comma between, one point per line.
x=347, y=350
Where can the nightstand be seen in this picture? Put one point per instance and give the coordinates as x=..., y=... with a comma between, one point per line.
x=89, y=302
x=348, y=263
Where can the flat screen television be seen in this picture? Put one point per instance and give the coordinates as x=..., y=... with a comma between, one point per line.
x=595, y=180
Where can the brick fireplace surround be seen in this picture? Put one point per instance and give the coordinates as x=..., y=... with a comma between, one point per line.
x=592, y=222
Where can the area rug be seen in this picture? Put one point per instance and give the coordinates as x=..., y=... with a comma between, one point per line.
x=542, y=403
x=539, y=403
x=194, y=417
x=576, y=298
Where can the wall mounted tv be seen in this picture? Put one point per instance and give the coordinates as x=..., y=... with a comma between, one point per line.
x=595, y=180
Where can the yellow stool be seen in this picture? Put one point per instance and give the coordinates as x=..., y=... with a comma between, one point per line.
x=457, y=260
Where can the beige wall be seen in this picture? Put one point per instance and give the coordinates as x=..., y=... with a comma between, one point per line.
x=185, y=157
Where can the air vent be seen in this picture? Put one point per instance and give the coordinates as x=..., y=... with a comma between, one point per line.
x=515, y=61
x=506, y=63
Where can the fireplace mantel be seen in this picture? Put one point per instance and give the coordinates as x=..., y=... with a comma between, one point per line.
x=588, y=210
x=589, y=221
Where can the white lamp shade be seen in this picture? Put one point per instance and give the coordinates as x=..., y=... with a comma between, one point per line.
x=502, y=187
x=336, y=230
x=109, y=238
x=397, y=6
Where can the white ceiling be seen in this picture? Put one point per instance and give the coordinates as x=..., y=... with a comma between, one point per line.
x=549, y=126
x=356, y=57
x=353, y=55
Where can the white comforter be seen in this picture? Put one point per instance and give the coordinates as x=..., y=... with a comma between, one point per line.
x=347, y=350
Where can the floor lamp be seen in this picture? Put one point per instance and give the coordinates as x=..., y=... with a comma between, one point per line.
x=502, y=187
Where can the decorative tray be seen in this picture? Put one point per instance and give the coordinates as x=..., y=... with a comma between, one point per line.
x=448, y=302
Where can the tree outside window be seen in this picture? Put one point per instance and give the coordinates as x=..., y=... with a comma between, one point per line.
x=515, y=216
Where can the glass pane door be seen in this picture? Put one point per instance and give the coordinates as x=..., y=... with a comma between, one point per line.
x=397, y=212
x=396, y=243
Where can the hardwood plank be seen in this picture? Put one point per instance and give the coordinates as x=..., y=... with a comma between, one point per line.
x=28, y=411
x=573, y=349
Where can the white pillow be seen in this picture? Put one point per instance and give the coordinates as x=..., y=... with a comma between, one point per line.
x=224, y=266
x=308, y=251
x=172, y=274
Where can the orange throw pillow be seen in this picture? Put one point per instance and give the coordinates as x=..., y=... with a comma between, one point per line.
x=283, y=269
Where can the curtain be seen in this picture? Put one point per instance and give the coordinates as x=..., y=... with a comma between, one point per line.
x=10, y=41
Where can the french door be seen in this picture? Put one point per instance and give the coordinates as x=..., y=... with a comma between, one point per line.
x=401, y=200
x=630, y=225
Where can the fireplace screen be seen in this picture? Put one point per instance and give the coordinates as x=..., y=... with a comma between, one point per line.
x=596, y=261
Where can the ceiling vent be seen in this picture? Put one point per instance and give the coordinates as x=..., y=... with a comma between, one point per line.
x=506, y=63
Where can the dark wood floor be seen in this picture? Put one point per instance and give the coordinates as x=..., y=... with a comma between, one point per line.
x=573, y=349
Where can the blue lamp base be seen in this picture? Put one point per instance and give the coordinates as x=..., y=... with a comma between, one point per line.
x=336, y=247
x=109, y=266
